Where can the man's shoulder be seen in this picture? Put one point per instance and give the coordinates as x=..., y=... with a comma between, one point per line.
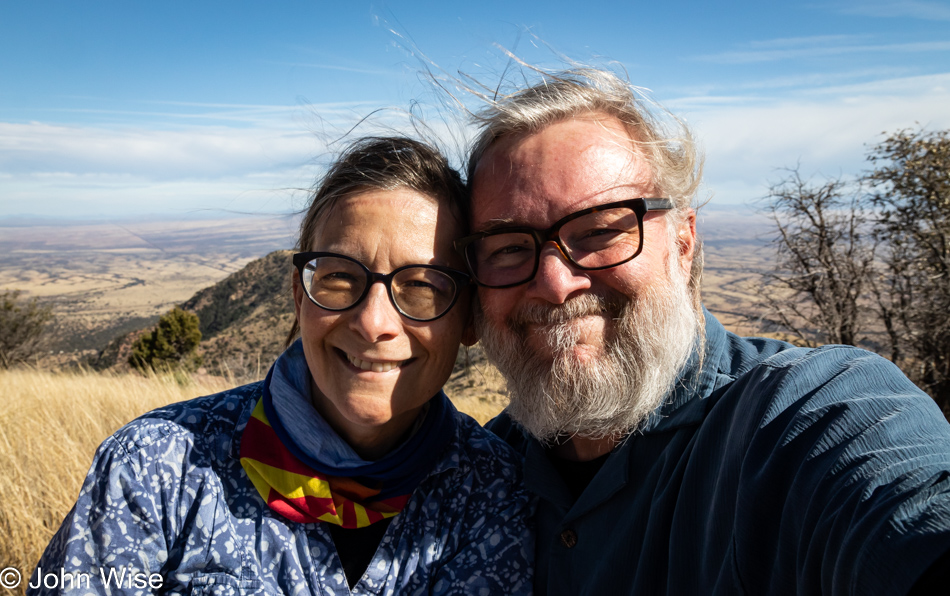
x=736, y=355
x=772, y=379
x=842, y=372
x=776, y=365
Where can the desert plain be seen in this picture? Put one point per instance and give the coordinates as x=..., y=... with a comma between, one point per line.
x=106, y=278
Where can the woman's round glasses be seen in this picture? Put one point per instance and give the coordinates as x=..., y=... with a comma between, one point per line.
x=419, y=292
x=595, y=238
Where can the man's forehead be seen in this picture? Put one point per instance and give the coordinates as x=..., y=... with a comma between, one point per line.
x=592, y=137
x=538, y=178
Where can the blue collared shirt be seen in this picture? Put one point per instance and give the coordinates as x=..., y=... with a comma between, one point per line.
x=769, y=470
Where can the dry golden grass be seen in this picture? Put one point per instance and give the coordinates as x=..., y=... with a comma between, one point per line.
x=477, y=390
x=50, y=426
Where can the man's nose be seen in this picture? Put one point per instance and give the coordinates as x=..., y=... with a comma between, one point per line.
x=376, y=319
x=557, y=279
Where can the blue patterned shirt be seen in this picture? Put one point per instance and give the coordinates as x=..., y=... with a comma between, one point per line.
x=167, y=495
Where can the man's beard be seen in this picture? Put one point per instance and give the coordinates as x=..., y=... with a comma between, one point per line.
x=646, y=342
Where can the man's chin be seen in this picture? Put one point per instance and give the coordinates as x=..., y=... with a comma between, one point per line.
x=578, y=354
x=581, y=338
x=586, y=354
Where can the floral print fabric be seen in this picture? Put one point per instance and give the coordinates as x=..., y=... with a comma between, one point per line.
x=167, y=494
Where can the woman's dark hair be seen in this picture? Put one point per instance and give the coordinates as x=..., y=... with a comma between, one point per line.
x=382, y=163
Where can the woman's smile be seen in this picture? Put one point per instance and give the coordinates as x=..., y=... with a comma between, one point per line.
x=375, y=365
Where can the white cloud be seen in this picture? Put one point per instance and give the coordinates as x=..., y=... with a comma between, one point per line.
x=116, y=196
x=820, y=49
x=805, y=41
x=196, y=143
x=354, y=69
x=930, y=11
x=200, y=152
x=828, y=131
x=813, y=80
x=115, y=171
x=80, y=170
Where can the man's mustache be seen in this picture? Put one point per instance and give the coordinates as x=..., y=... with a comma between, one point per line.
x=583, y=305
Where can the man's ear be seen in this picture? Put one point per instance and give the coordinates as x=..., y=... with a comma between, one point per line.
x=686, y=240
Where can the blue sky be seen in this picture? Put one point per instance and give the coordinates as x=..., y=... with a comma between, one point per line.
x=112, y=110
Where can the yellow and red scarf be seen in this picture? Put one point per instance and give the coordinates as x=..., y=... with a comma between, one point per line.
x=306, y=491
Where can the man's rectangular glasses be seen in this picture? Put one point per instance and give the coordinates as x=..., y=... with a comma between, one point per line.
x=595, y=238
x=419, y=292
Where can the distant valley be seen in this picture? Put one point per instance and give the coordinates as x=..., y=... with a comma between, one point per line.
x=107, y=280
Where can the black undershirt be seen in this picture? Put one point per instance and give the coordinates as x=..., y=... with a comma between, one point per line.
x=577, y=474
x=356, y=547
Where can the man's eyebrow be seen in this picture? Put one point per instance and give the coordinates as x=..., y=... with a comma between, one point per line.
x=499, y=223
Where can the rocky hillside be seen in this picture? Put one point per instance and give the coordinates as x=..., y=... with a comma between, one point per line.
x=245, y=318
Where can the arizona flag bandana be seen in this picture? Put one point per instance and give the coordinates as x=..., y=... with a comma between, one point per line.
x=303, y=489
x=302, y=494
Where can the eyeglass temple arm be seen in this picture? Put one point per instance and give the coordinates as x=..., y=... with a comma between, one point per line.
x=657, y=204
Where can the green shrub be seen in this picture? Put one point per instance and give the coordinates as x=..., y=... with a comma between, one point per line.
x=173, y=345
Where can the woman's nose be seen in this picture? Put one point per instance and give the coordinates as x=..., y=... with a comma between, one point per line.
x=376, y=318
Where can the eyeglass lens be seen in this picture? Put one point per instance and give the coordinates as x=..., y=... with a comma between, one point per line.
x=418, y=292
x=595, y=240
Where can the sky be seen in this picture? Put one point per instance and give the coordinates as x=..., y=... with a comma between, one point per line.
x=113, y=110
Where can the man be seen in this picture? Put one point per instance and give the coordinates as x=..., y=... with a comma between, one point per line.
x=670, y=456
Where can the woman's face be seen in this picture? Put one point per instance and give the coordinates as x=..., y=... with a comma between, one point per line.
x=372, y=409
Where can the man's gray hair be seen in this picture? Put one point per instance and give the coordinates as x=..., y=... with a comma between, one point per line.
x=664, y=139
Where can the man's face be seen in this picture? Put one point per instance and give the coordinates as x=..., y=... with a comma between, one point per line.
x=565, y=319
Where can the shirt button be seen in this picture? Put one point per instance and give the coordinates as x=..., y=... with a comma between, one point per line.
x=569, y=538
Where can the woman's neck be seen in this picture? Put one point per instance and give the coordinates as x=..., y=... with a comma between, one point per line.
x=369, y=442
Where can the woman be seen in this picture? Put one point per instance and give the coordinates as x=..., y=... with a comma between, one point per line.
x=345, y=469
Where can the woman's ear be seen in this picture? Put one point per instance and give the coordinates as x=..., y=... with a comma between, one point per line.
x=298, y=293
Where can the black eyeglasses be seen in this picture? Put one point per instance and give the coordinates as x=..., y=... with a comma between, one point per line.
x=595, y=238
x=419, y=292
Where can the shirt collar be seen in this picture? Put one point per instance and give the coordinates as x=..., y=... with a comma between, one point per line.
x=686, y=405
